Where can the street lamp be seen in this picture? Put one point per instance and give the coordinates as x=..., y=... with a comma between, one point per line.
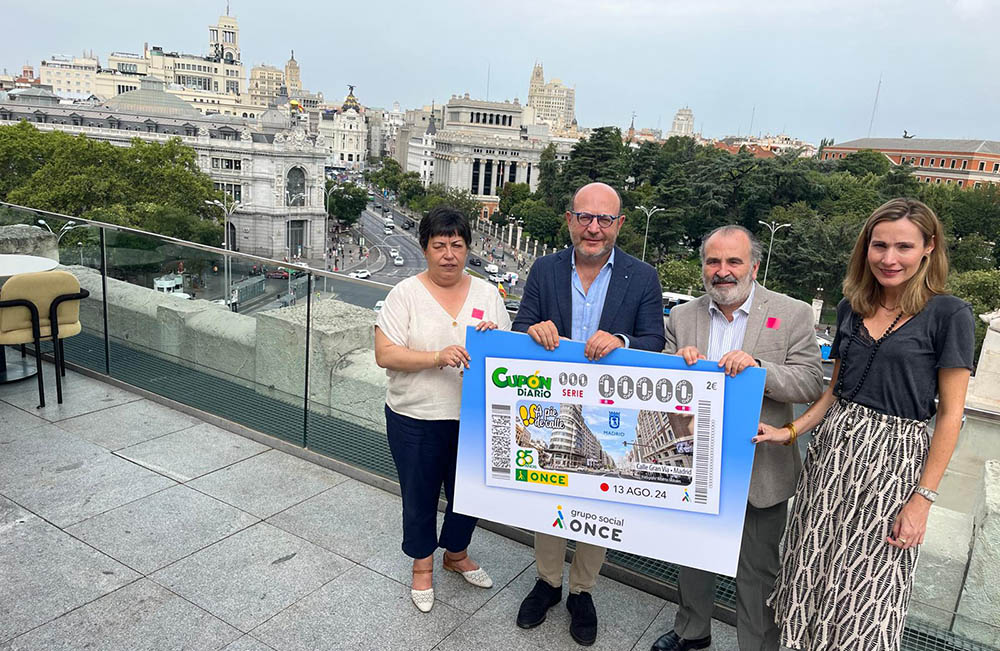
x=227, y=210
x=649, y=212
x=290, y=199
x=67, y=227
x=326, y=229
x=775, y=227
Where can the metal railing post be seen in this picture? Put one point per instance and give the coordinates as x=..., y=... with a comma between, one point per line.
x=104, y=303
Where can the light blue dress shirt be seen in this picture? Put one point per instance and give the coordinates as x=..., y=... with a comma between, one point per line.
x=588, y=306
x=725, y=335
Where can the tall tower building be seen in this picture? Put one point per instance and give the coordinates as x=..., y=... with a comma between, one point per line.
x=293, y=76
x=224, y=39
x=553, y=102
x=683, y=124
x=265, y=82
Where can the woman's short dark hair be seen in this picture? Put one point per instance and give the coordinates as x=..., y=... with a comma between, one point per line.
x=444, y=220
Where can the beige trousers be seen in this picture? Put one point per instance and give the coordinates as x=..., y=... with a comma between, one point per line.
x=550, y=552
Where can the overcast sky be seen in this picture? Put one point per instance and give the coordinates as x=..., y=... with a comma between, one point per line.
x=809, y=68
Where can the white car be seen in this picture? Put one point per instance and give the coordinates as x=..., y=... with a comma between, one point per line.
x=360, y=273
x=393, y=252
x=494, y=278
x=387, y=231
x=379, y=305
x=398, y=261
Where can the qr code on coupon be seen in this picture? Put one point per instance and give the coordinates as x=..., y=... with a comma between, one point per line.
x=500, y=431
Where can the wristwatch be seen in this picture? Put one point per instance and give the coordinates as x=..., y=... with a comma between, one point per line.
x=926, y=493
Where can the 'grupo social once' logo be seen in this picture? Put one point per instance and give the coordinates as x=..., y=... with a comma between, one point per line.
x=590, y=524
x=533, y=386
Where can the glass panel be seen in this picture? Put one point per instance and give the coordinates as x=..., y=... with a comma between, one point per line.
x=175, y=329
x=346, y=387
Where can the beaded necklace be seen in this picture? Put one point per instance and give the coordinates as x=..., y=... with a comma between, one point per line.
x=871, y=356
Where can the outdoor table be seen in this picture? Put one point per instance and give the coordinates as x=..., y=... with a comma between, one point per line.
x=10, y=265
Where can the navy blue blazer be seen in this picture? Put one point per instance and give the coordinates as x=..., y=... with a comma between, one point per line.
x=633, y=306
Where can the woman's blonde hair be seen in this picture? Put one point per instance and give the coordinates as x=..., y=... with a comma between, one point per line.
x=861, y=287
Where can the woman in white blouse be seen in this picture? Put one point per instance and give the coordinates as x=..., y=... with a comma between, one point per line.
x=420, y=341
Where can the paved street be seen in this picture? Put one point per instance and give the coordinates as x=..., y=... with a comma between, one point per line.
x=128, y=525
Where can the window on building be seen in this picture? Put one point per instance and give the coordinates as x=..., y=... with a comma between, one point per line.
x=996, y=167
x=982, y=165
x=214, y=34
x=965, y=165
x=938, y=181
x=922, y=161
x=952, y=163
x=976, y=185
x=215, y=163
x=960, y=184
x=932, y=162
x=295, y=187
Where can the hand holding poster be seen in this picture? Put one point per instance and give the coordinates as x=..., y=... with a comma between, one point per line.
x=637, y=452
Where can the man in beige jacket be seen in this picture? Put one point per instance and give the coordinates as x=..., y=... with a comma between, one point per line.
x=741, y=324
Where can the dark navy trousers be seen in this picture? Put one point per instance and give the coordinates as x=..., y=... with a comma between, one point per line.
x=425, y=452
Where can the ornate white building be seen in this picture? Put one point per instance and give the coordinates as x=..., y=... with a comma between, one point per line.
x=277, y=174
x=420, y=151
x=554, y=103
x=345, y=132
x=483, y=145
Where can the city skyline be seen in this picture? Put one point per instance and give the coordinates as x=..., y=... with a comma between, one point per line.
x=930, y=55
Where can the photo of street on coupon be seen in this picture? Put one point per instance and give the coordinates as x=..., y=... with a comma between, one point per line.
x=651, y=437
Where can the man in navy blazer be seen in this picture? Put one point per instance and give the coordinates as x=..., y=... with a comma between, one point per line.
x=596, y=293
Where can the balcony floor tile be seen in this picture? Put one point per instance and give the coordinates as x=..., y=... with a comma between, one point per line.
x=268, y=483
x=139, y=617
x=154, y=531
x=252, y=575
x=192, y=452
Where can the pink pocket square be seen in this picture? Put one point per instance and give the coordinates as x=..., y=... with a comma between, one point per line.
x=477, y=313
x=772, y=322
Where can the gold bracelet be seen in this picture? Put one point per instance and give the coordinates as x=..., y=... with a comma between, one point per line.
x=437, y=358
x=791, y=427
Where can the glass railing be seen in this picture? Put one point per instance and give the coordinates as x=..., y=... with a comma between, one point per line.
x=293, y=358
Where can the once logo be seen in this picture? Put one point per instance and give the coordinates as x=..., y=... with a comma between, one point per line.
x=541, y=477
x=596, y=530
x=559, y=518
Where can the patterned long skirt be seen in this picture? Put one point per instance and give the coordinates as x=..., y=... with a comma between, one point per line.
x=841, y=586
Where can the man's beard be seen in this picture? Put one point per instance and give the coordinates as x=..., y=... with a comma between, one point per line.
x=729, y=296
x=608, y=244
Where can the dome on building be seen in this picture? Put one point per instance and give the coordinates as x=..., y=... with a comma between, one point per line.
x=351, y=102
x=152, y=99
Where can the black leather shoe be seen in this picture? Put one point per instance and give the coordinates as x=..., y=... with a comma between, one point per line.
x=583, y=618
x=673, y=642
x=537, y=603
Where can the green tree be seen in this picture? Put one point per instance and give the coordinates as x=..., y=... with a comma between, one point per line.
x=410, y=188
x=982, y=290
x=865, y=161
x=680, y=276
x=971, y=253
x=512, y=194
x=346, y=202
x=389, y=176
x=540, y=221
x=550, y=186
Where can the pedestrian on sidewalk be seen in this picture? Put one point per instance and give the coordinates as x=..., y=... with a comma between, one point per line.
x=420, y=341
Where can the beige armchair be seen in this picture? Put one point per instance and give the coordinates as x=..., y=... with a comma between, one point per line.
x=39, y=306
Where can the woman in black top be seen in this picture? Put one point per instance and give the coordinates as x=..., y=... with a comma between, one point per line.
x=872, y=468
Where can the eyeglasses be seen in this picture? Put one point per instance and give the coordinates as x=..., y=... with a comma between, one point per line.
x=602, y=220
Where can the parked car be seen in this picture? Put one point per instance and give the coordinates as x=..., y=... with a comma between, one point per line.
x=387, y=231
x=378, y=206
x=494, y=278
x=398, y=261
x=512, y=305
x=475, y=262
x=281, y=274
x=360, y=273
x=407, y=225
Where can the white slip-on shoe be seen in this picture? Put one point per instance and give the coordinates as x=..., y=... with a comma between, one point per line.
x=423, y=599
x=477, y=577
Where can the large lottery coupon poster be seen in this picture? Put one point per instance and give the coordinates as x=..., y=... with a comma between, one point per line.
x=638, y=452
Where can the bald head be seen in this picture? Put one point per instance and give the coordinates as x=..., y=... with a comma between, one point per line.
x=601, y=194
